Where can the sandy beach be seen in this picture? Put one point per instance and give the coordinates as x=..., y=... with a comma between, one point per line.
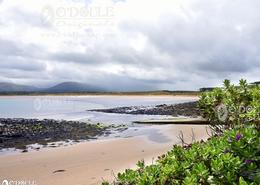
x=89, y=162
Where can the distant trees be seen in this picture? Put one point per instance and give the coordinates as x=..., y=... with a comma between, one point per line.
x=256, y=83
x=205, y=89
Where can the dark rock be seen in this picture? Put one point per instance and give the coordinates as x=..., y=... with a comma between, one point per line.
x=189, y=109
x=19, y=132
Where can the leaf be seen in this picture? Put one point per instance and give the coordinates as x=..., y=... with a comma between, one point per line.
x=242, y=181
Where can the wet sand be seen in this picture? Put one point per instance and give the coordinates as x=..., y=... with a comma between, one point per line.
x=87, y=163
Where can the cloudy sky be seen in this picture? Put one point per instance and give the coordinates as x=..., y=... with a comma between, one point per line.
x=129, y=44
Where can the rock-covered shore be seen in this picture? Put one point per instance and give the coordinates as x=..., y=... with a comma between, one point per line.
x=18, y=133
x=189, y=109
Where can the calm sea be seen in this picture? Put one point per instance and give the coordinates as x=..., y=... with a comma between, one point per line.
x=76, y=107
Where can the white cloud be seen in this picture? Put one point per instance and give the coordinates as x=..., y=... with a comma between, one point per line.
x=170, y=44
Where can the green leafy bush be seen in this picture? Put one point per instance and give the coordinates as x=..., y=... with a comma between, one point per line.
x=231, y=105
x=233, y=158
x=230, y=157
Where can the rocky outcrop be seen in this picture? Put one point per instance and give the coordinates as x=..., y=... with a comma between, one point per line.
x=17, y=133
x=189, y=109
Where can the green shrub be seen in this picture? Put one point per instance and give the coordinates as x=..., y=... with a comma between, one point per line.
x=233, y=158
x=231, y=105
x=230, y=157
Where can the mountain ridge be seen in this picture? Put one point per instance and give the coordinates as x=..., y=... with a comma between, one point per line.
x=69, y=87
x=12, y=87
x=64, y=87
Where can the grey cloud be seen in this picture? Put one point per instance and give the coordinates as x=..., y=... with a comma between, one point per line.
x=77, y=57
x=14, y=55
x=20, y=63
x=9, y=48
x=17, y=48
x=215, y=40
x=228, y=61
x=34, y=19
x=125, y=83
x=209, y=41
x=19, y=74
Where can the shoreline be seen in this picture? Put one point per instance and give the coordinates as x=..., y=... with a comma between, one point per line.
x=19, y=133
x=155, y=93
x=89, y=162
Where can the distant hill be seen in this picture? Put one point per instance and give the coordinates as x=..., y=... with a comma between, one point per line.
x=70, y=87
x=77, y=88
x=11, y=87
x=65, y=87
